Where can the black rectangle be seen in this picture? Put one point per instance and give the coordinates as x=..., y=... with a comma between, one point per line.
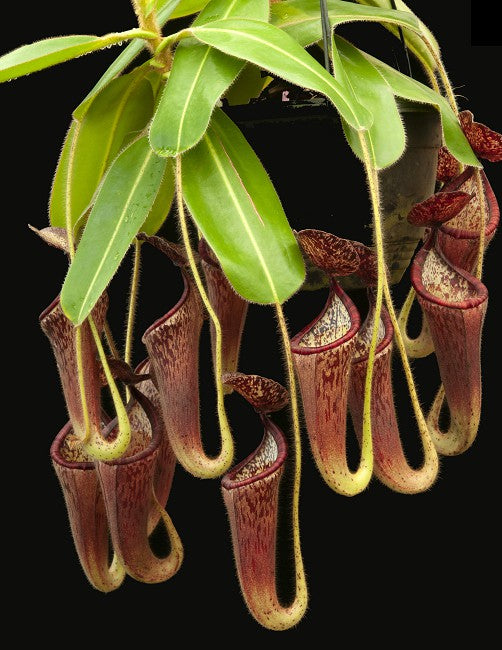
x=486, y=24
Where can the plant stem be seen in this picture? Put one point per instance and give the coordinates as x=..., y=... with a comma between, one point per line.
x=71, y=252
x=367, y=443
x=482, y=229
x=99, y=448
x=422, y=345
x=432, y=79
x=110, y=340
x=81, y=385
x=444, y=77
x=149, y=23
x=169, y=41
x=227, y=445
x=133, y=299
x=430, y=454
x=301, y=596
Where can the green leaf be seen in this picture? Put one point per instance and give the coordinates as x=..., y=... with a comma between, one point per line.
x=199, y=77
x=301, y=18
x=125, y=58
x=414, y=42
x=403, y=86
x=58, y=200
x=122, y=205
x=115, y=117
x=386, y=137
x=43, y=54
x=163, y=201
x=188, y=7
x=152, y=5
x=272, y=49
x=236, y=208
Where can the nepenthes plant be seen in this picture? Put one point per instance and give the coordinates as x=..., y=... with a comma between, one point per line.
x=154, y=143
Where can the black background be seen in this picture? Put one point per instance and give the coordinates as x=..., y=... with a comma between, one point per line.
x=378, y=558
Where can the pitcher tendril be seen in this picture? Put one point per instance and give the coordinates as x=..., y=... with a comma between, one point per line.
x=97, y=447
x=430, y=454
x=227, y=446
x=133, y=299
x=301, y=596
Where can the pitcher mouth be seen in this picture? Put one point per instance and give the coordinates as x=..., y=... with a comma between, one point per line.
x=50, y=308
x=60, y=456
x=493, y=208
x=335, y=292
x=264, y=461
x=156, y=427
x=474, y=290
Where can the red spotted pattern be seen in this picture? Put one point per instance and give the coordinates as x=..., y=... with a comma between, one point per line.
x=328, y=252
x=439, y=208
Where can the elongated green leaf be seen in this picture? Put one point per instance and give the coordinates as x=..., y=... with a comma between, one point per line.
x=301, y=18
x=274, y=50
x=413, y=41
x=125, y=58
x=189, y=7
x=123, y=202
x=239, y=213
x=43, y=54
x=58, y=205
x=163, y=202
x=386, y=137
x=403, y=86
x=199, y=77
x=115, y=117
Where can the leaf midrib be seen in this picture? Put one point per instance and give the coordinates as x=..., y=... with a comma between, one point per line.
x=114, y=234
x=252, y=37
x=120, y=111
x=254, y=243
x=189, y=96
x=196, y=80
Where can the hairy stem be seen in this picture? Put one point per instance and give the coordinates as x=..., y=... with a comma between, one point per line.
x=444, y=77
x=482, y=228
x=432, y=79
x=424, y=431
x=149, y=23
x=71, y=252
x=430, y=454
x=227, y=445
x=110, y=341
x=422, y=345
x=98, y=447
x=133, y=299
x=301, y=597
x=81, y=384
x=366, y=463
